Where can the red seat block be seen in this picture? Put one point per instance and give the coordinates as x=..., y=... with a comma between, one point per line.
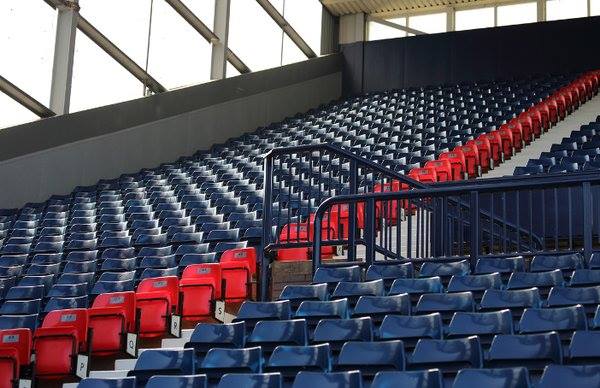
x=19, y=339
x=9, y=368
x=200, y=284
x=111, y=316
x=238, y=266
x=484, y=151
x=157, y=299
x=507, y=141
x=443, y=169
x=517, y=134
x=56, y=344
x=458, y=163
x=496, y=149
x=424, y=174
x=526, y=126
x=536, y=121
x=544, y=110
x=471, y=159
x=293, y=254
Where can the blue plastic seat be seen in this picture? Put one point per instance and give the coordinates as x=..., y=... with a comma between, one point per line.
x=448, y=355
x=377, y=307
x=216, y=335
x=502, y=265
x=417, y=287
x=25, y=293
x=585, y=277
x=219, y=361
x=252, y=312
x=497, y=378
x=337, y=331
x=410, y=329
x=164, y=362
x=431, y=378
x=371, y=357
x=353, y=290
x=584, y=347
x=444, y=269
x=533, y=351
x=94, y=382
x=483, y=324
x=16, y=321
x=559, y=319
x=68, y=290
x=475, y=283
x=333, y=275
x=257, y=380
x=80, y=302
x=191, y=381
x=350, y=379
x=515, y=300
x=572, y=376
x=21, y=307
x=288, y=360
x=541, y=280
x=269, y=334
x=589, y=297
x=389, y=272
x=446, y=304
x=103, y=287
x=313, y=311
x=570, y=262
x=296, y=294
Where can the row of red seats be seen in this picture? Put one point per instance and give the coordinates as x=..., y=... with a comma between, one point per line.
x=474, y=158
x=103, y=328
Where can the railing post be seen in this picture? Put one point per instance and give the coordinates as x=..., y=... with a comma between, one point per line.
x=267, y=220
x=586, y=191
x=316, y=259
x=352, y=211
x=475, y=235
x=370, y=232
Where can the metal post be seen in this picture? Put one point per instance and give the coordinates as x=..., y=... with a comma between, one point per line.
x=266, y=240
x=475, y=235
x=450, y=19
x=64, y=50
x=541, y=10
x=586, y=191
x=370, y=232
x=352, y=211
x=218, y=64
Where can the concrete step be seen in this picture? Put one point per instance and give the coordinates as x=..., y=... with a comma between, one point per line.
x=177, y=343
x=103, y=374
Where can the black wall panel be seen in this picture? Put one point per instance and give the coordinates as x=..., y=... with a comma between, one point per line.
x=466, y=56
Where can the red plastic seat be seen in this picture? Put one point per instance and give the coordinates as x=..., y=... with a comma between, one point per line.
x=526, y=126
x=517, y=134
x=544, y=111
x=9, y=368
x=553, y=109
x=200, y=285
x=56, y=344
x=507, y=141
x=293, y=254
x=423, y=174
x=536, y=121
x=496, y=150
x=484, y=151
x=238, y=267
x=293, y=233
x=111, y=317
x=457, y=161
x=156, y=299
x=471, y=159
x=19, y=339
x=443, y=169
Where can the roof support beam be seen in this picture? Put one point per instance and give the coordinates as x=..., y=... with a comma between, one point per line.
x=450, y=19
x=111, y=49
x=394, y=25
x=285, y=26
x=541, y=10
x=12, y=91
x=218, y=66
x=64, y=50
x=203, y=30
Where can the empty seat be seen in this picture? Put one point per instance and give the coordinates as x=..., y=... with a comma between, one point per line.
x=411, y=328
x=502, y=265
x=19, y=321
x=569, y=262
x=483, y=324
x=21, y=307
x=333, y=275
x=296, y=293
x=218, y=361
x=560, y=319
x=585, y=277
x=238, y=267
x=431, y=378
x=389, y=272
x=337, y=331
x=269, y=334
x=216, y=335
x=350, y=379
x=448, y=355
x=584, y=347
x=200, y=285
x=288, y=360
x=515, y=300
x=444, y=269
x=446, y=304
x=314, y=311
x=541, y=280
x=164, y=362
x=353, y=290
x=157, y=299
x=501, y=378
x=475, y=283
x=377, y=307
x=417, y=287
x=252, y=312
x=111, y=317
x=251, y=380
x=573, y=376
x=533, y=351
x=371, y=357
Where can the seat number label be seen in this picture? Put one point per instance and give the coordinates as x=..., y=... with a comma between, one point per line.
x=82, y=365
x=131, y=345
x=176, y=325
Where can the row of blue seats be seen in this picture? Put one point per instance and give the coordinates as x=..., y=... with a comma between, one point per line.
x=554, y=376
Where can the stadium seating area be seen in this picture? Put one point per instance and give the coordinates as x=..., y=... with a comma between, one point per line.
x=80, y=272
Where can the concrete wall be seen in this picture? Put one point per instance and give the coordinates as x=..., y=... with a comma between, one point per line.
x=55, y=155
